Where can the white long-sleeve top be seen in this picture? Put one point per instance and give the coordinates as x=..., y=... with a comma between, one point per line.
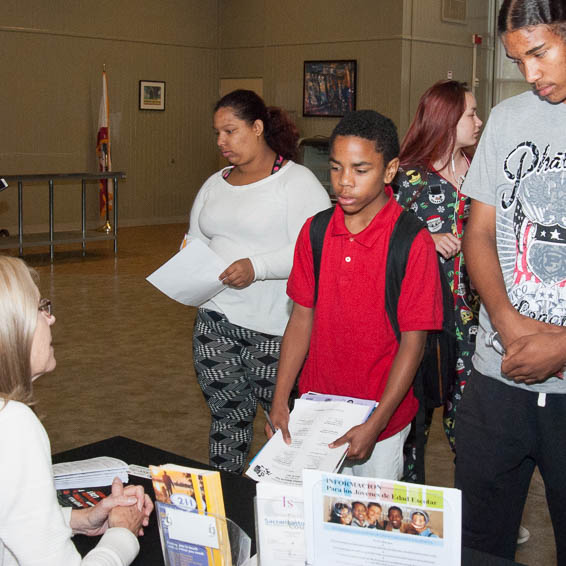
x=33, y=527
x=259, y=221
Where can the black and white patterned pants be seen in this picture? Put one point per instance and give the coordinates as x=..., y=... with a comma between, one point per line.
x=236, y=367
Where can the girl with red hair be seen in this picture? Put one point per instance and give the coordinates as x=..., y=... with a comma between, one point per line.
x=434, y=163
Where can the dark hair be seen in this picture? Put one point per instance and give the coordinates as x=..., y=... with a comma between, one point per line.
x=516, y=14
x=394, y=507
x=374, y=504
x=432, y=133
x=280, y=134
x=336, y=514
x=373, y=126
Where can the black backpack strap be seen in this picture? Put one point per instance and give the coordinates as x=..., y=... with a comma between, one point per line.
x=406, y=229
x=317, y=232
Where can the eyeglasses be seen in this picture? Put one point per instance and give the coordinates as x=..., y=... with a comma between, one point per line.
x=45, y=306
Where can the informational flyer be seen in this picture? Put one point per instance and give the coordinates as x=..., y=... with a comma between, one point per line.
x=280, y=525
x=353, y=521
x=313, y=425
x=191, y=275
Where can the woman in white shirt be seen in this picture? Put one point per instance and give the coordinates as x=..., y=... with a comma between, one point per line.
x=33, y=527
x=250, y=214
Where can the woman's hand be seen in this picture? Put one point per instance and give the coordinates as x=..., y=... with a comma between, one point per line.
x=239, y=274
x=131, y=518
x=446, y=244
x=95, y=520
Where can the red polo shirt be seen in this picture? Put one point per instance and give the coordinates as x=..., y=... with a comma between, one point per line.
x=352, y=344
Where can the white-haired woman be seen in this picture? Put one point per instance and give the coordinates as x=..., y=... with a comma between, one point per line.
x=33, y=527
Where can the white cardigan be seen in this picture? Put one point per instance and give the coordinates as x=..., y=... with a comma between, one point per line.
x=33, y=527
x=259, y=221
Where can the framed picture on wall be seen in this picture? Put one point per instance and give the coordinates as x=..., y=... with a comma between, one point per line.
x=329, y=88
x=152, y=95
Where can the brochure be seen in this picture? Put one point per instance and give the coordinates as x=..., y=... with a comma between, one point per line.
x=313, y=426
x=321, y=397
x=280, y=525
x=93, y=472
x=82, y=498
x=353, y=521
x=191, y=516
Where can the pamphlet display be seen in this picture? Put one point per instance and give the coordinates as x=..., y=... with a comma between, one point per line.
x=191, y=516
x=280, y=525
x=409, y=524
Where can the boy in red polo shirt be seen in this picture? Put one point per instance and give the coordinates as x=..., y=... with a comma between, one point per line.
x=351, y=346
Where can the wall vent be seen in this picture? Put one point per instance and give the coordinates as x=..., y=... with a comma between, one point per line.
x=454, y=11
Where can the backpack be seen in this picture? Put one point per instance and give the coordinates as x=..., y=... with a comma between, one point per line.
x=437, y=371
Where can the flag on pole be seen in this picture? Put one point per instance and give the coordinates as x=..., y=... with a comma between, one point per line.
x=103, y=151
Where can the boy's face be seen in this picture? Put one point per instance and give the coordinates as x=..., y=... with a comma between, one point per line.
x=360, y=512
x=358, y=177
x=540, y=55
x=395, y=518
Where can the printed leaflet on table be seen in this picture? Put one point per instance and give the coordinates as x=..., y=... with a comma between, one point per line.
x=93, y=472
x=191, y=516
x=82, y=498
x=353, y=521
x=280, y=525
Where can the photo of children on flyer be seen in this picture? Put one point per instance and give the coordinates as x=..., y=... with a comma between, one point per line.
x=391, y=518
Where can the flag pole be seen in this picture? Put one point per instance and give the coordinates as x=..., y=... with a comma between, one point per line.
x=103, y=152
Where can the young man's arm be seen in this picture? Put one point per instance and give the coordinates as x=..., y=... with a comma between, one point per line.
x=294, y=348
x=362, y=438
x=531, y=356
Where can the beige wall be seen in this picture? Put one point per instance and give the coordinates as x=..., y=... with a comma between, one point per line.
x=433, y=47
x=52, y=55
x=401, y=46
x=273, y=39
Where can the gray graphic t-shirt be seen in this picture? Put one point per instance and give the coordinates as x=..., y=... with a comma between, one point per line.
x=520, y=168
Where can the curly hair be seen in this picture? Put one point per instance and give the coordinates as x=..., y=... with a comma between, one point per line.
x=373, y=126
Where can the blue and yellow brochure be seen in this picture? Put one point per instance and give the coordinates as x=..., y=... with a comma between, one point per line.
x=191, y=516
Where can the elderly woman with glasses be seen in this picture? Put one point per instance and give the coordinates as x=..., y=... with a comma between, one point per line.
x=33, y=527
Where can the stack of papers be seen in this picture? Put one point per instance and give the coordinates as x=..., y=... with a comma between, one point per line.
x=315, y=422
x=95, y=472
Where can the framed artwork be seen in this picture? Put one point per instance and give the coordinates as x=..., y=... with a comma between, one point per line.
x=152, y=95
x=329, y=88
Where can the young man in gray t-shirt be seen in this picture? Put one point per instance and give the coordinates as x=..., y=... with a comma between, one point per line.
x=513, y=413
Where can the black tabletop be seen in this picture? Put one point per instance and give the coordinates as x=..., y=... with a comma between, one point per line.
x=239, y=493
